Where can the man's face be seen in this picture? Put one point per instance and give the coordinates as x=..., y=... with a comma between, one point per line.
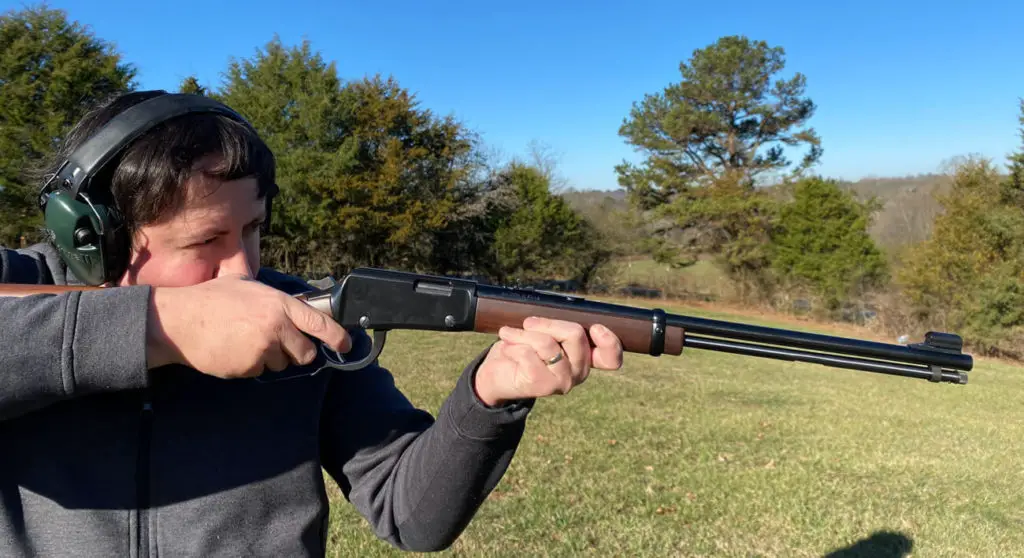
x=216, y=233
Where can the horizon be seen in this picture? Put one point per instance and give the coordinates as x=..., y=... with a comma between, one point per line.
x=910, y=89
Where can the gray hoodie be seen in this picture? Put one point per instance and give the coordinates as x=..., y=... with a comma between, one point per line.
x=102, y=457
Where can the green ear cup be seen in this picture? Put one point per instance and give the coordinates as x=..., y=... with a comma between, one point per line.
x=85, y=236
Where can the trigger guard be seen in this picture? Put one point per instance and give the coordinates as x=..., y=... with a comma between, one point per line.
x=328, y=358
x=379, y=337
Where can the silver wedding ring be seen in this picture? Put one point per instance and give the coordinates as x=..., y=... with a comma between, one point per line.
x=554, y=359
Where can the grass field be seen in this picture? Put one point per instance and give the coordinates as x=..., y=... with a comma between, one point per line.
x=711, y=454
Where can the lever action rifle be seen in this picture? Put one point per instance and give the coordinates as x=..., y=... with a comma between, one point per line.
x=383, y=300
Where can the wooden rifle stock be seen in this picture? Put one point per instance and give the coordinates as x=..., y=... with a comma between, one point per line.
x=637, y=335
x=18, y=290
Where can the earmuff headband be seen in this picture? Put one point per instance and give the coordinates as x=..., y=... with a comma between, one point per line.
x=77, y=171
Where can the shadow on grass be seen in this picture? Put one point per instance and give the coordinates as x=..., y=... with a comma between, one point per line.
x=884, y=544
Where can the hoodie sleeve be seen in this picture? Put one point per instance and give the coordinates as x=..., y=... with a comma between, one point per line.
x=55, y=347
x=417, y=480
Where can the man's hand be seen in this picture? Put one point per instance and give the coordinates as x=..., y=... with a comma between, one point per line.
x=516, y=367
x=235, y=327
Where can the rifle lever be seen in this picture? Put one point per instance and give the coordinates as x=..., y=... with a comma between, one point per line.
x=328, y=358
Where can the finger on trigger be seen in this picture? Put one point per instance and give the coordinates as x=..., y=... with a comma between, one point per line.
x=277, y=360
x=300, y=348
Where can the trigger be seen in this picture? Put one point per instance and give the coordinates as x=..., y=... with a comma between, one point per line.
x=331, y=356
x=376, y=345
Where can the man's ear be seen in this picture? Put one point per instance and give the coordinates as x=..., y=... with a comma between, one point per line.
x=138, y=255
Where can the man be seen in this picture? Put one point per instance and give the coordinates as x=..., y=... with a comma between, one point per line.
x=132, y=419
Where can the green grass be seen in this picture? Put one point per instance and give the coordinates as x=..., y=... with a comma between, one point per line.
x=711, y=454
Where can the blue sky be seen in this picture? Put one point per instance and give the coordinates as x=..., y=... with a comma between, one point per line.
x=900, y=86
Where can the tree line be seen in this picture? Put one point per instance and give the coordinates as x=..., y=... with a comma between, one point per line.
x=370, y=177
x=367, y=176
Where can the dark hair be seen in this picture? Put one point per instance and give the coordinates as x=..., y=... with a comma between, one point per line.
x=146, y=181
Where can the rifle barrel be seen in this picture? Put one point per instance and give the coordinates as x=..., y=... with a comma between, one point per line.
x=814, y=341
x=835, y=361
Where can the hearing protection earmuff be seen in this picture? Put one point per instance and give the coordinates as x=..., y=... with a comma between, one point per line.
x=79, y=214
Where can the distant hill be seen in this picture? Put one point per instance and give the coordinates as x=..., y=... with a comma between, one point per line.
x=886, y=186
x=583, y=198
x=906, y=217
x=910, y=206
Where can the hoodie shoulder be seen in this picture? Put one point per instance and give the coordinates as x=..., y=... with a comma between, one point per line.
x=38, y=264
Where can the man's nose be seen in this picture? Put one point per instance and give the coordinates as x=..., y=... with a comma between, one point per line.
x=236, y=263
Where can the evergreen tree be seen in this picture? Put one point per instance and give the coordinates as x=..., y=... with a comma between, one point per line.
x=1016, y=178
x=726, y=118
x=52, y=70
x=542, y=237
x=708, y=141
x=727, y=221
x=821, y=239
x=190, y=86
x=367, y=177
